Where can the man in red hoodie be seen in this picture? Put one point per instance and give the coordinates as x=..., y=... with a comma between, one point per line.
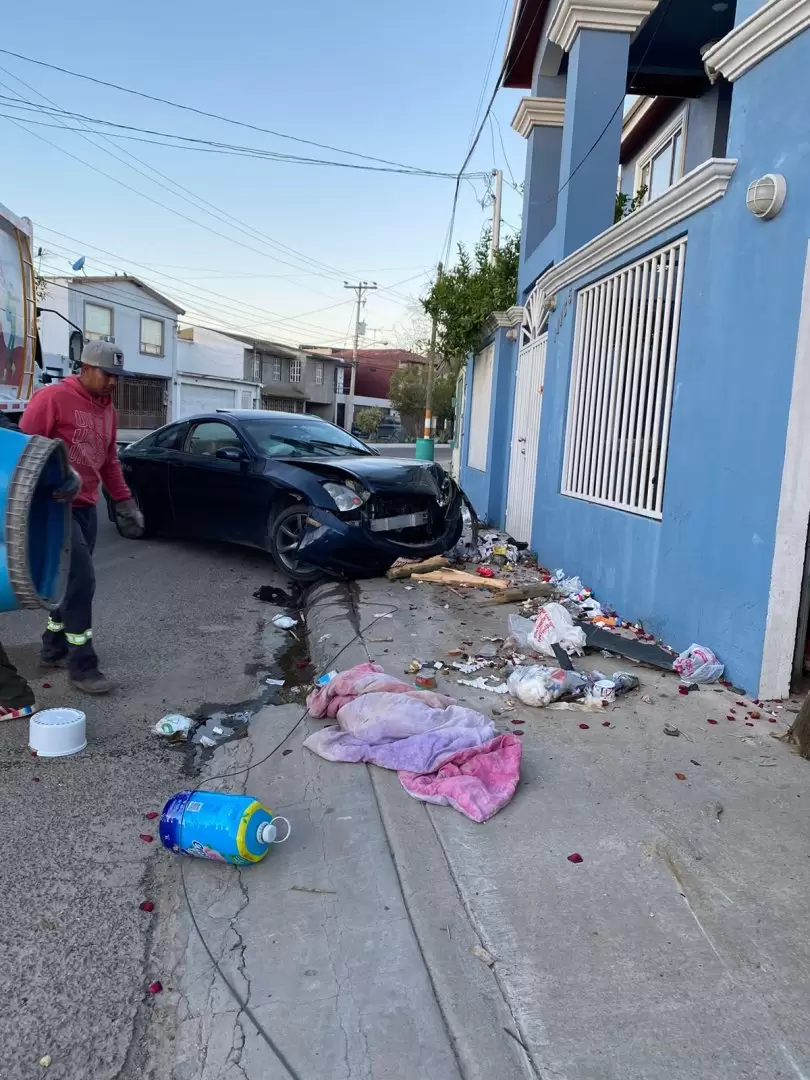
x=79, y=411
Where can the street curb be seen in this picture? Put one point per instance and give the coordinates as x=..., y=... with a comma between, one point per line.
x=477, y=1018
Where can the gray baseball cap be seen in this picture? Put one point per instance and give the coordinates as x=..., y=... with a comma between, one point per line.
x=104, y=355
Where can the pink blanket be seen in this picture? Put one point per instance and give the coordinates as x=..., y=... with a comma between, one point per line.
x=365, y=679
x=478, y=781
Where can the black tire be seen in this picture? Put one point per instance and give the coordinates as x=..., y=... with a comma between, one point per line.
x=286, y=532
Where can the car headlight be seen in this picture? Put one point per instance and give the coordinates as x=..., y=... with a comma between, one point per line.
x=346, y=497
x=446, y=491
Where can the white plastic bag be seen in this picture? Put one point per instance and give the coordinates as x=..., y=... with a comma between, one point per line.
x=554, y=626
x=537, y=685
x=173, y=724
x=698, y=664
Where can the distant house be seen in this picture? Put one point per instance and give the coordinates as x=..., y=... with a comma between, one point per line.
x=125, y=310
x=210, y=369
x=292, y=380
x=374, y=370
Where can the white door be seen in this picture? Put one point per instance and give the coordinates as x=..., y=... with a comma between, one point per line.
x=458, y=435
x=531, y=370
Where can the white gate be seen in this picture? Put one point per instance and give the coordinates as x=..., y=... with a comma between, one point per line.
x=531, y=370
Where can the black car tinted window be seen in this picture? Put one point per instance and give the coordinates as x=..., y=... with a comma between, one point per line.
x=209, y=436
x=171, y=438
x=302, y=438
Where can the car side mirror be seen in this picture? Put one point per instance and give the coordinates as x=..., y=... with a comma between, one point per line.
x=75, y=346
x=231, y=453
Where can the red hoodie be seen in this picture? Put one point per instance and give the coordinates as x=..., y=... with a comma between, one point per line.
x=88, y=426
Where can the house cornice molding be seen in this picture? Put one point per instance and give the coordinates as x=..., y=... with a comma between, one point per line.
x=762, y=33
x=698, y=189
x=535, y=112
x=508, y=319
x=621, y=16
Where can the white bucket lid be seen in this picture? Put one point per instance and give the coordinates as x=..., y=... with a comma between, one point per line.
x=57, y=732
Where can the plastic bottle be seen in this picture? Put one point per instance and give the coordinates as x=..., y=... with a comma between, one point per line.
x=235, y=829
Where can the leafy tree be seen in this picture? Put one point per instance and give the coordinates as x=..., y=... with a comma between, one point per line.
x=407, y=392
x=468, y=293
x=625, y=204
x=368, y=421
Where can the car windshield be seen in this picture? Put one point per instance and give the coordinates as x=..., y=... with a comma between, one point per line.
x=302, y=438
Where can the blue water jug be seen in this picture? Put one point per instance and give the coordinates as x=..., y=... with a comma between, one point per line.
x=35, y=547
x=235, y=829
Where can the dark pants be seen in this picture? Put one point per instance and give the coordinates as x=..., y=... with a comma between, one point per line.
x=70, y=627
x=15, y=693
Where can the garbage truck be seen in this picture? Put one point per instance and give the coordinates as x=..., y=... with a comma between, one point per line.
x=20, y=355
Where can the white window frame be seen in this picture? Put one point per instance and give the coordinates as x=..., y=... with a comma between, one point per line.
x=677, y=124
x=480, y=406
x=275, y=371
x=319, y=373
x=147, y=349
x=295, y=371
x=622, y=383
x=91, y=335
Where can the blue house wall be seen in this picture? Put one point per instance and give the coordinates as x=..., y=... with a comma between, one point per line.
x=702, y=573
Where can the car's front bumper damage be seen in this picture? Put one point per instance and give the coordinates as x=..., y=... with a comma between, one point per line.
x=359, y=545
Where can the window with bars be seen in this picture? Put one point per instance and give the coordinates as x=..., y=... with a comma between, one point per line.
x=622, y=374
x=295, y=371
x=319, y=373
x=276, y=371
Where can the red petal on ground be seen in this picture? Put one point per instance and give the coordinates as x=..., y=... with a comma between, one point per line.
x=147, y=839
x=35, y=779
x=155, y=987
x=680, y=776
x=518, y=732
x=575, y=857
x=683, y=690
x=518, y=721
x=748, y=723
x=33, y=753
x=606, y=723
x=731, y=718
x=771, y=719
x=46, y=686
x=152, y=815
x=147, y=905
x=711, y=721
x=584, y=727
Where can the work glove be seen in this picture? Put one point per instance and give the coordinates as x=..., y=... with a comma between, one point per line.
x=69, y=489
x=130, y=520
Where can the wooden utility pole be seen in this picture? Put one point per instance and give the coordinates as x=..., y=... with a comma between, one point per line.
x=426, y=449
x=361, y=288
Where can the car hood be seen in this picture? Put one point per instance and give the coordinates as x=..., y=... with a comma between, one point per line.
x=378, y=473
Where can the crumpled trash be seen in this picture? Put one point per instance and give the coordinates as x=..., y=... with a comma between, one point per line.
x=554, y=626
x=538, y=685
x=481, y=684
x=496, y=545
x=566, y=586
x=174, y=724
x=698, y=664
x=284, y=622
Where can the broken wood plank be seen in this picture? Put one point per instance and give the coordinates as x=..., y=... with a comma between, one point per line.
x=459, y=577
x=405, y=570
x=523, y=592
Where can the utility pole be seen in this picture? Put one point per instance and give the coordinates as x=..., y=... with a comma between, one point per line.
x=361, y=288
x=424, y=446
x=496, y=211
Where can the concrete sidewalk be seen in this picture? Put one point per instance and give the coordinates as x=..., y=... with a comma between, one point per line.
x=671, y=951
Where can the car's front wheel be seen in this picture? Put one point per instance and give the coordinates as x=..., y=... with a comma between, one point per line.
x=286, y=534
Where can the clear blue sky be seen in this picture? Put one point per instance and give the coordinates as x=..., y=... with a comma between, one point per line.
x=395, y=81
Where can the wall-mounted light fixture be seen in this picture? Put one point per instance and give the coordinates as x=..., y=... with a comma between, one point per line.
x=766, y=197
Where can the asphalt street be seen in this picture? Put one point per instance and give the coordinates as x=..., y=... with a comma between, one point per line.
x=177, y=625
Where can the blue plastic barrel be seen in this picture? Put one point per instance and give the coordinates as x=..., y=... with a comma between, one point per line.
x=35, y=550
x=235, y=829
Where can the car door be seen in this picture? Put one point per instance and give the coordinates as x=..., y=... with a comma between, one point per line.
x=146, y=470
x=215, y=497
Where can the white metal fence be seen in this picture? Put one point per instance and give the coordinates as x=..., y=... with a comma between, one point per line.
x=625, y=343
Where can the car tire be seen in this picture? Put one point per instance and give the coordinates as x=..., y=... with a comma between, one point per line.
x=286, y=531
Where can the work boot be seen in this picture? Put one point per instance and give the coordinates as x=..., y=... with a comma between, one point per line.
x=92, y=682
x=48, y=659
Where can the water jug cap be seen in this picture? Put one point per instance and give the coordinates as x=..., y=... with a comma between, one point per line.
x=267, y=832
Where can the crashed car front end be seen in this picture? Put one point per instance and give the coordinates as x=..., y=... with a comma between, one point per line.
x=356, y=530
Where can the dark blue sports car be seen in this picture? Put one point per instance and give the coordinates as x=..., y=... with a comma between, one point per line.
x=318, y=499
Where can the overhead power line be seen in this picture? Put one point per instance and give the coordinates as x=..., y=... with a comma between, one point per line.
x=202, y=112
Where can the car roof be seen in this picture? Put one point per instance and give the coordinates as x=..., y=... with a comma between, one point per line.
x=251, y=414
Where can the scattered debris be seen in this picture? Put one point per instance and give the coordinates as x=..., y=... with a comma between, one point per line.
x=152, y=815
x=403, y=568
x=574, y=857
x=481, y=684
x=378, y=640
x=646, y=699
x=271, y=595
x=284, y=622
x=539, y=686
x=155, y=987
x=481, y=954
x=461, y=579
x=516, y=594
x=207, y=742
x=469, y=666
x=147, y=905
x=425, y=682
x=596, y=637
x=147, y=839
x=711, y=721
x=695, y=762
x=312, y=889
x=670, y=729
x=45, y=1061
x=175, y=725
x=680, y=776
x=384, y=615
x=585, y=727
x=698, y=664
x=274, y=682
